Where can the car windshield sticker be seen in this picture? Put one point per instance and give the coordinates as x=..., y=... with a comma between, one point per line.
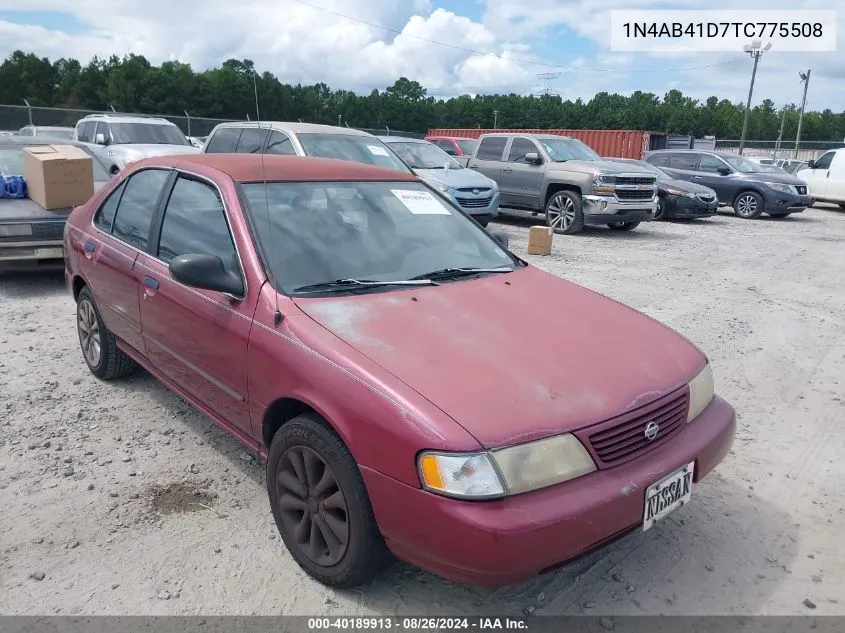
x=420, y=202
x=375, y=150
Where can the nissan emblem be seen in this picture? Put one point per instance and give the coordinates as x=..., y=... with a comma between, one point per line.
x=651, y=431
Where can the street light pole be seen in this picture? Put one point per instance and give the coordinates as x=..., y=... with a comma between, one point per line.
x=756, y=50
x=805, y=79
x=495, y=119
x=780, y=134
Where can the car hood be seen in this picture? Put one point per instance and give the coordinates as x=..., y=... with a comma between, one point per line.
x=787, y=179
x=146, y=151
x=580, y=358
x=456, y=178
x=684, y=185
x=596, y=167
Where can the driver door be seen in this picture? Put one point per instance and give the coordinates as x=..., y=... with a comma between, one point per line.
x=817, y=177
x=521, y=182
x=709, y=176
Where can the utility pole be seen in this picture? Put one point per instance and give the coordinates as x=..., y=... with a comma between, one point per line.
x=780, y=134
x=495, y=119
x=756, y=50
x=805, y=79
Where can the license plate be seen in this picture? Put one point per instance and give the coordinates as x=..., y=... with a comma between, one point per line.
x=667, y=495
x=50, y=253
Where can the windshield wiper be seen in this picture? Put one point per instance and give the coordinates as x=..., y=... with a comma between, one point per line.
x=452, y=273
x=339, y=285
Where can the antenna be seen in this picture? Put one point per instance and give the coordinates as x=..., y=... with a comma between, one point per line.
x=277, y=315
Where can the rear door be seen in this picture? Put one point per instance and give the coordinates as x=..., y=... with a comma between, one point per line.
x=197, y=338
x=120, y=233
x=521, y=182
x=489, y=156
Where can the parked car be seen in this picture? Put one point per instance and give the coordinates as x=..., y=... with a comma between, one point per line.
x=825, y=177
x=197, y=141
x=30, y=236
x=565, y=179
x=679, y=199
x=477, y=194
x=120, y=139
x=793, y=167
x=52, y=132
x=355, y=345
x=454, y=145
x=302, y=139
x=740, y=183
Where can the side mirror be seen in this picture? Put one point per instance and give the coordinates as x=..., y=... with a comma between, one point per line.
x=533, y=158
x=100, y=139
x=207, y=272
x=811, y=164
x=500, y=236
x=724, y=171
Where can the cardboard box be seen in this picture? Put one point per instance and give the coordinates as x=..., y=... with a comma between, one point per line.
x=58, y=176
x=540, y=240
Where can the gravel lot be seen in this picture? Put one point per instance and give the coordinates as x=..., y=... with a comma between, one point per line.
x=120, y=499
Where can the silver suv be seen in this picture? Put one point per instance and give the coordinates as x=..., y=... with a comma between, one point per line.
x=301, y=139
x=120, y=139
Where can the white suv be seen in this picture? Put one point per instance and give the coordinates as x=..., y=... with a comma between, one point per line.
x=120, y=139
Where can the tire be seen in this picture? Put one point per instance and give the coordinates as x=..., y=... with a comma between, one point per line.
x=842, y=205
x=660, y=213
x=483, y=221
x=99, y=347
x=748, y=205
x=779, y=215
x=564, y=212
x=624, y=226
x=295, y=497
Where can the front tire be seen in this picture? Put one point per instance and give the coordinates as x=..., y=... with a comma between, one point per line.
x=748, y=205
x=660, y=213
x=99, y=347
x=564, y=212
x=321, y=506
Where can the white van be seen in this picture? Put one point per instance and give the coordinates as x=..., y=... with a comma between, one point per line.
x=825, y=177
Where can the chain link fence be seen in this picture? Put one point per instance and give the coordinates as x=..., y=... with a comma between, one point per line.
x=14, y=117
x=807, y=150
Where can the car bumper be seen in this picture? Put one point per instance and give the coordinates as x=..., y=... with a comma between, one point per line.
x=779, y=202
x=478, y=205
x=31, y=254
x=607, y=210
x=495, y=543
x=683, y=208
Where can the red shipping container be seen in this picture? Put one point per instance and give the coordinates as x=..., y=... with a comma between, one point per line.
x=608, y=143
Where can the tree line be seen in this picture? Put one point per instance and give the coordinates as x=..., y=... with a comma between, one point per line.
x=133, y=84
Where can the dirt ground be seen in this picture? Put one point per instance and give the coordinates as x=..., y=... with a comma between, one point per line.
x=120, y=499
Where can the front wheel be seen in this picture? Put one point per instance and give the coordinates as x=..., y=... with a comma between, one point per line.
x=564, y=213
x=623, y=226
x=660, y=213
x=748, y=205
x=321, y=506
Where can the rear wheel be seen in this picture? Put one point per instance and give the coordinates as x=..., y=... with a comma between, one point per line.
x=99, y=347
x=563, y=212
x=748, y=205
x=623, y=226
x=321, y=506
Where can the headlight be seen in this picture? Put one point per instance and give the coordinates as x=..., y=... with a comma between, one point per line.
x=494, y=185
x=700, y=392
x=779, y=186
x=603, y=184
x=678, y=192
x=15, y=230
x=506, y=471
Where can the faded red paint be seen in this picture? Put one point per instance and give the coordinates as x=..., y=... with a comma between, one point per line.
x=609, y=143
x=449, y=371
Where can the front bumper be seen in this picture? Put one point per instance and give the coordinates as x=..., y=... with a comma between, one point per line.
x=31, y=252
x=495, y=543
x=478, y=204
x=683, y=208
x=608, y=209
x=781, y=202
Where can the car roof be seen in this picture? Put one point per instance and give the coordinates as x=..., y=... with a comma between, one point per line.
x=258, y=167
x=126, y=118
x=695, y=151
x=451, y=138
x=525, y=134
x=296, y=127
x=35, y=140
x=402, y=139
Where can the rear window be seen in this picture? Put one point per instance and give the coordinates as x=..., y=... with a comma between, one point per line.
x=359, y=149
x=491, y=148
x=147, y=133
x=223, y=141
x=467, y=147
x=252, y=138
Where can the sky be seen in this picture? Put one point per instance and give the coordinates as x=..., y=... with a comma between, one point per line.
x=450, y=46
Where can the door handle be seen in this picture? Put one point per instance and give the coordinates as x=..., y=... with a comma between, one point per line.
x=473, y=166
x=698, y=177
x=507, y=170
x=151, y=283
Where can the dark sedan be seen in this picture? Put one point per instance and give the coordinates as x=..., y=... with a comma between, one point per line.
x=750, y=188
x=31, y=236
x=679, y=199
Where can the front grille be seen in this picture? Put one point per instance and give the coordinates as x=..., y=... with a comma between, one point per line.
x=633, y=194
x=474, y=203
x=624, y=437
x=476, y=190
x=635, y=180
x=802, y=190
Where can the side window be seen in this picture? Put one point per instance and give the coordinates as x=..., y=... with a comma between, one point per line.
x=102, y=128
x=25, y=131
x=519, y=148
x=661, y=160
x=710, y=164
x=195, y=222
x=688, y=162
x=252, y=138
x=825, y=160
x=447, y=147
x=223, y=141
x=138, y=206
x=104, y=218
x=491, y=148
x=279, y=143
x=83, y=131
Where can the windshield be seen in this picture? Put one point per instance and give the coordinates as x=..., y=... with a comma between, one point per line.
x=11, y=162
x=563, y=149
x=422, y=155
x=744, y=165
x=320, y=232
x=359, y=149
x=146, y=134
x=467, y=146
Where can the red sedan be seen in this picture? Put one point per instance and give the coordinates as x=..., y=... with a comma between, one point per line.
x=358, y=331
